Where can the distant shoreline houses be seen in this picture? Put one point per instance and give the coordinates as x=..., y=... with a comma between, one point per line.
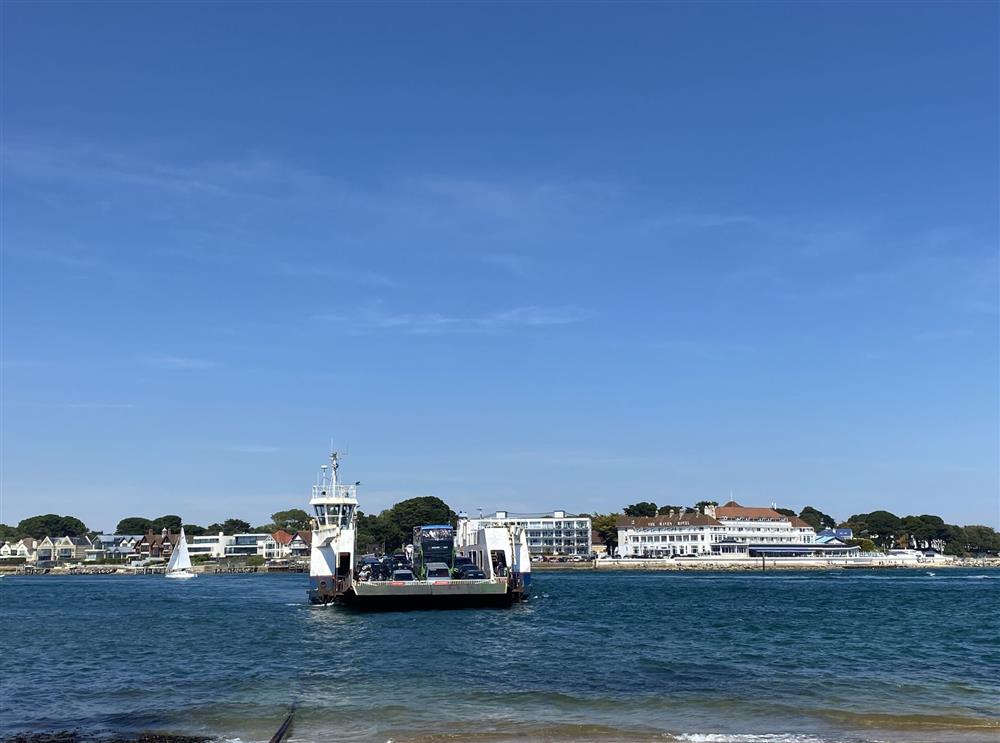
x=155, y=546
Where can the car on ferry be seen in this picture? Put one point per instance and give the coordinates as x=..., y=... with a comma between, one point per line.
x=438, y=571
x=405, y=576
x=470, y=572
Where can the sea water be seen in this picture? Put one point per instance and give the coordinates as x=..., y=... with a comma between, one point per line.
x=788, y=657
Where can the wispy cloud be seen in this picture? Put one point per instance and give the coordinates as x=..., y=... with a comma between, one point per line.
x=358, y=276
x=180, y=363
x=375, y=318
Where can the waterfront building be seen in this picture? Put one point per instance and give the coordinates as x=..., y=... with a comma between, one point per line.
x=843, y=534
x=221, y=545
x=277, y=546
x=71, y=549
x=26, y=548
x=597, y=544
x=45, y=550
x=244, y=545
x=111, y=547
x=155, y=546
x=674, y=533
x=301, y=544
x=730, y=530
x=554, y=533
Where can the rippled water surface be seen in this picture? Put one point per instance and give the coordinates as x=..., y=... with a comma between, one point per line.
x=777, y=657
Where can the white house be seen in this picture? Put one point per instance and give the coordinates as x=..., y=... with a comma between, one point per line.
x=553, y=533
x=228, y=545
x=23, y=548
x=277, y=545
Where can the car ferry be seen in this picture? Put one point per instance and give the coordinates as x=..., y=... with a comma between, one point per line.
x=445, y=567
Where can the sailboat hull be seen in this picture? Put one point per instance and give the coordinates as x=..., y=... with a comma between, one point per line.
x=180, y=576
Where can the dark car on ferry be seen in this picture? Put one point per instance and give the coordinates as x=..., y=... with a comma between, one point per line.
x=469, y=572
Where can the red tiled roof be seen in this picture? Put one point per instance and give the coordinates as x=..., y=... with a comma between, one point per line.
x=282, y=537
x=796, y=521
x=733, y=510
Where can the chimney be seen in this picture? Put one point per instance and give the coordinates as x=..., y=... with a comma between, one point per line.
x=709, y=510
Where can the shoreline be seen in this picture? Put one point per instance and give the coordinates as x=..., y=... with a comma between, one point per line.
x=732, y=566
x=595, y=566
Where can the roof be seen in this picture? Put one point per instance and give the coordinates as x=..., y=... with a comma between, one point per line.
x=733, y=510
x=693, y=518
x=305, y=536
x=796, y=521
x=595, y=537
x=282, y=537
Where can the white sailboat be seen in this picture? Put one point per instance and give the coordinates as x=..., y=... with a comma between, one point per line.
x=179, y=565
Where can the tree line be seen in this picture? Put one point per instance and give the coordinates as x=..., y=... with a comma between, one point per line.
x=876, y=530
x=53, y=525
x=384, y=532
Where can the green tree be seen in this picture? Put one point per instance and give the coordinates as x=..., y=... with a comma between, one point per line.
x=920, y=531
x=292, y=520
x=866, y=545
x=664, y=510
x=956, y=541
x=9, y=533
x=170, y=521
x=980, y=539
x=52, y=525
x=396, y=524
x=607, y=527
x=785, y=511
x=817, y=519
x=235, y=526
x=700, y=505
x=883, y=527
x=644, y=508
x=194, y=530
x=133, y=525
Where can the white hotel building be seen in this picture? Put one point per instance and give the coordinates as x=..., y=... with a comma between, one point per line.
x=555, y=533
x=732, y=530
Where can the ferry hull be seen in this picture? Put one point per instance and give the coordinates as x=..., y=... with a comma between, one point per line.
x=408, y=596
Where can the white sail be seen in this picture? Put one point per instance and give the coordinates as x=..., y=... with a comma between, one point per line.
x=179, y=558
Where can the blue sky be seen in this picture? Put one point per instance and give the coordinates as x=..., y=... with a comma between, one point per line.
x=522, y=256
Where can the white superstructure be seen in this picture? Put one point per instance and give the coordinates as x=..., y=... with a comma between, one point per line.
x=335, y=507
x=499, y=549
